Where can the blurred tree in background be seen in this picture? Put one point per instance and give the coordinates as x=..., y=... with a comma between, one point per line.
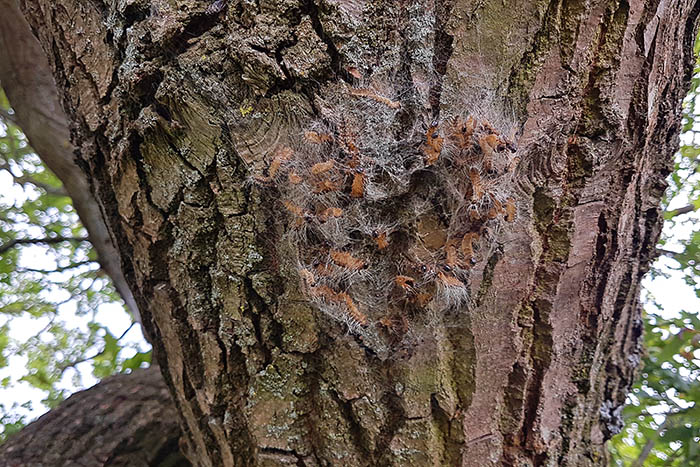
x=58, y=310
x=662, y=417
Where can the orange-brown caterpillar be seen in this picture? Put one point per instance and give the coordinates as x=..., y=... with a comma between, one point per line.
x=328, y=213
x=513, y=164
x=298, y=212
x=510, y=210
x=497, y=204
x=354, y=312
x=325, y=186
x=294, y=179
x=477, y=188
x=466, y=247
x=463, y=131
x=274, y=167
x=354, y=72
x=324, y=291
x=381, y=239
x=326, y=270
x=487, y=144
x=333, y=296
x=488, y=127
x=405, y=282
x=293, y=208
x=346, y=260
x=450, y=281
x=282, y=154
x=474, y=213
x=386, y=322
x=364, y=92
x=433, y=144
x=358, y=184
x=307, y=277
x=317, y=138
x=451, y=255
x=423, y=298
x=393, y=323
x=322, y=167
x=347, y=143
x=496, y=209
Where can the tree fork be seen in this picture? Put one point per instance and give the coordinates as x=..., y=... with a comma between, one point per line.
x=172, y=107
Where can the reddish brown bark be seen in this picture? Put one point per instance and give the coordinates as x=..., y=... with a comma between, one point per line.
x=175, y=105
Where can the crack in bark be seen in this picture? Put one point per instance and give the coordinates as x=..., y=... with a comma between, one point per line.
x=357, y=433
x=452, y=453
x=522, y=75
x=284, y=452
x=396, y=419
x=487, y=275
x=442, y=51
x=310, y=8
x=201, y=419
x=255, y=318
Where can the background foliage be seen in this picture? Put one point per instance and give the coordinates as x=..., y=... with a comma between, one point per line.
x=58, y=309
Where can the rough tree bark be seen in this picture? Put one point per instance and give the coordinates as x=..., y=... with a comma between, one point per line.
x=127, y=420
x=169, y=98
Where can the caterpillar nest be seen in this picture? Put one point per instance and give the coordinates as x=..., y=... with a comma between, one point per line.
x=389, y=218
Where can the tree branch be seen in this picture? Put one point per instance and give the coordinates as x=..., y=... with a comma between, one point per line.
x=684, y=210
x=646, y=450
x=662, y=251
x=24, y=178
x=72, y=364
x=29, y=85
x=123, y=420
x=58, y=269
x=38, y=241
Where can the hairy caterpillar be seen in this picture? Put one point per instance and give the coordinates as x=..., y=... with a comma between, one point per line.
x=510, y=210
x=433, y=144
x=325, y=186
x=405, y=282
x=317, y=138
x=346, y=260
x=358, y=184
x=322, y=167
x=329, y=213
x=362, y=92
x=381, y=239
x=282, y=155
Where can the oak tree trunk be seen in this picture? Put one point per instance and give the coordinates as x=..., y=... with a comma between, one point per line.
x=178, y=108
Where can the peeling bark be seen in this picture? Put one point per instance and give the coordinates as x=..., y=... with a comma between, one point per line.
x=174, y=104
x=126, y=420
